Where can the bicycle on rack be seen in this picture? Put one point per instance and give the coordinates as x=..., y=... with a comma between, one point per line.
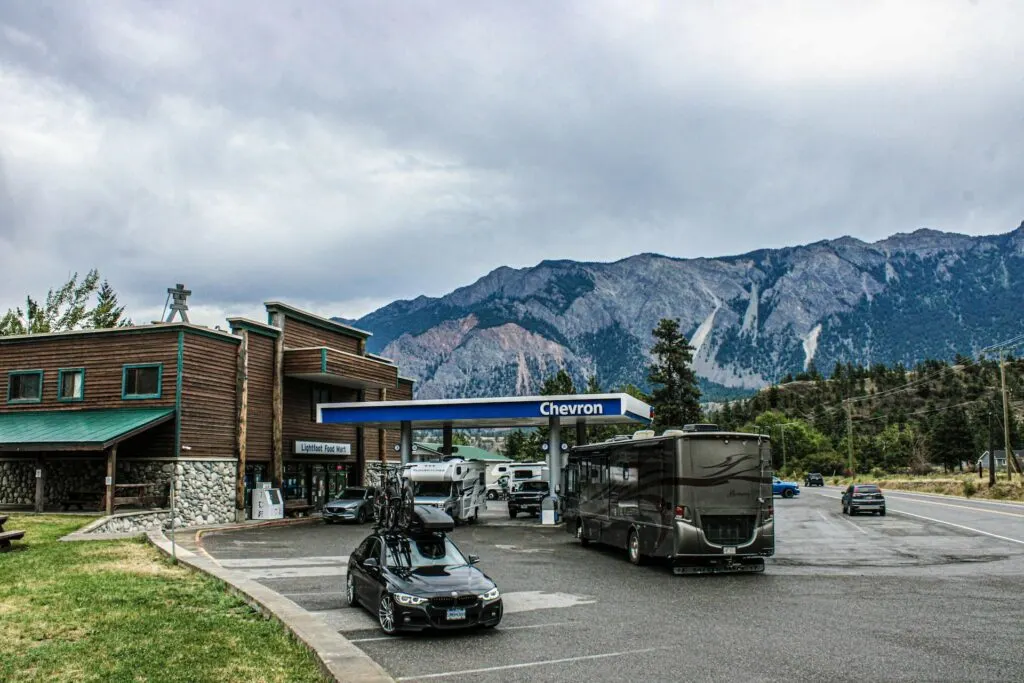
x=393, y=500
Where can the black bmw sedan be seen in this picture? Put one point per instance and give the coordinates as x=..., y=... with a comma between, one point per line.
x=419, y=579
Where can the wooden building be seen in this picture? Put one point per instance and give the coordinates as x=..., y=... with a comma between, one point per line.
x=102, y=418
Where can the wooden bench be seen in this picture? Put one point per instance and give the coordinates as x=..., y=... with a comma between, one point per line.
x=292, y=508
x=7, y=536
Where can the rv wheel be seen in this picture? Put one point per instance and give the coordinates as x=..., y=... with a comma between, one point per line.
x=491, y=495
x=634, y=548
x=579, y=533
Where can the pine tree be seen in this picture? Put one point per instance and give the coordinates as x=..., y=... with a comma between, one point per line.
x=107, y=313
x=676, y=395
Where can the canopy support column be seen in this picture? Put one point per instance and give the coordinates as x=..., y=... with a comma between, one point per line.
x=581, y=433
x=554, y=453
x=405, y=442
x=40, y=483
x=446, y=439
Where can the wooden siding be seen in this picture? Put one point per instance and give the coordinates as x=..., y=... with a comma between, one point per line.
x=402, y=392
x=361, y=368
x=208, y=418
x=299, y=334
x=154, y=443
x=261, y=395
x=345, y=365
x=102, y=356
x=299, y=422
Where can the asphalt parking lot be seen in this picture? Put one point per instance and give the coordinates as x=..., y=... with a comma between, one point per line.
x=906, y=597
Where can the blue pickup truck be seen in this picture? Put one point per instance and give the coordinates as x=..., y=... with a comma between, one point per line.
x=786, y=489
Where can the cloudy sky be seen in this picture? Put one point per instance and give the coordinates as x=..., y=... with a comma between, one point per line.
x=339, y=155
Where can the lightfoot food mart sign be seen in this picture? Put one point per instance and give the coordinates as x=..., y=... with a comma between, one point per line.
x=322, y=448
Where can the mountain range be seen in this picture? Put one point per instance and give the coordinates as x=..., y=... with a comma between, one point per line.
x=752, y=318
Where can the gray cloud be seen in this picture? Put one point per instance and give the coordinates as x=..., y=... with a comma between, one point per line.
x=344, y=155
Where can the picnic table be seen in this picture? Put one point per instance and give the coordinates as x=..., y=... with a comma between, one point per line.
x=94, y=500
x=7, y=536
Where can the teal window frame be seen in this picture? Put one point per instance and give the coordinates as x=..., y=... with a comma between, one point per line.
x=10, y=385
x=60, y=385
x=141, y=397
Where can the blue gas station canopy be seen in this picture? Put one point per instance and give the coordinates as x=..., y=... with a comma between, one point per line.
x=469, y=413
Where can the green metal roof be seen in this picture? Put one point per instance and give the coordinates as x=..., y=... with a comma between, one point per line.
x=467, y=452
x=38, y=430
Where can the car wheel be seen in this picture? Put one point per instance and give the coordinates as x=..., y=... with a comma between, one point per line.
x=882, y=512
x=853, y=511
x=361, y=517
x=350, y=591
x=386, y=615
x=512, y=512
x=788, y=493
x=579, y=534
x=633, y=546
x=846, y=510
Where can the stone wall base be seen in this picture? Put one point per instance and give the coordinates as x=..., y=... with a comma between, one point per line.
x=205, y=489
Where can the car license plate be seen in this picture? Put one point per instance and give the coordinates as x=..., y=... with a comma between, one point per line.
x=729, y=550
x=456, y=613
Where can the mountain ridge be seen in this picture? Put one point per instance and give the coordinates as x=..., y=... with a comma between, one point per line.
x=753, y=317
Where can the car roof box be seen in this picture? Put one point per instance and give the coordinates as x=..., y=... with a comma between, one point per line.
x=426, y=518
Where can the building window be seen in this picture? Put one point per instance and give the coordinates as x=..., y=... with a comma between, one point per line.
x=71, y=384
x=141, y=381
x=25, y=386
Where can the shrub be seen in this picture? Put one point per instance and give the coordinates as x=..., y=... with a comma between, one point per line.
x=970, y=488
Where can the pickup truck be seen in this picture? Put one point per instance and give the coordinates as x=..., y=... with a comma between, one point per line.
x=786, y=489
x=526, y=497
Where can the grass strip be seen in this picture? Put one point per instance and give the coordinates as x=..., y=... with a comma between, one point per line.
x=121, y=611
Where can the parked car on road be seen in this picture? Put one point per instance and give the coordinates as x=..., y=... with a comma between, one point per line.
x=526, y=497
x=352, y=504
x=814, y=479
x=786, y=489
x=863, y=498
x=418, y=579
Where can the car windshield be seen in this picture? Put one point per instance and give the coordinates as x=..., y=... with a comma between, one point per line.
x=426, y=551
x=533, y=486
x=432, y=488
x=352, y=494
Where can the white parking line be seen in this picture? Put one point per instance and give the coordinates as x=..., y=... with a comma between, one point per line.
x=863, y=531
x=942, y=521
x=545, y=662
x=253, y=562
x=965, y=507
x=960, y=526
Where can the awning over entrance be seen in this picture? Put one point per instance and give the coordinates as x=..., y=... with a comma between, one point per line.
x=76, y=430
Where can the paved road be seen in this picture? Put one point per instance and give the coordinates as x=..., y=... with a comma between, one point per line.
x=878, y=598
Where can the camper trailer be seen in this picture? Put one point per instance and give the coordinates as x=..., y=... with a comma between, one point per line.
x=456, y=486
x=526, y=471
x=698, y=497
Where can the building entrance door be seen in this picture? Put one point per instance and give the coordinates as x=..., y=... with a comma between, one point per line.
x=318, y=488
x=337, y=480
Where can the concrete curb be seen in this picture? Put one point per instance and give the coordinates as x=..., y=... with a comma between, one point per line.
x=338, y=658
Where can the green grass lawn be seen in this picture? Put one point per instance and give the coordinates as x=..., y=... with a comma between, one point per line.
x=120, y=611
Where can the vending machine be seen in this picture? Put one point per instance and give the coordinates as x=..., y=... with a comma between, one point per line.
x=267, y=503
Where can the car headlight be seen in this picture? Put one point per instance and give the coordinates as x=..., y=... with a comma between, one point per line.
x=490, y=595
x=405, y=599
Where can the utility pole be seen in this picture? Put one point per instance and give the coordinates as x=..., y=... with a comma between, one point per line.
x=1006, y=418
x=991, y=453
x=849, y=435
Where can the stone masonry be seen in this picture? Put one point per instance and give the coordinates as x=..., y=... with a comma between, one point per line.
x=205, y=489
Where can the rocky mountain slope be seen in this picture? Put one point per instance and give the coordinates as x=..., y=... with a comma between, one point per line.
x=753, y=318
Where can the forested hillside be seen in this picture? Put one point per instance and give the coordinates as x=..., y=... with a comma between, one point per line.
x=911, y=420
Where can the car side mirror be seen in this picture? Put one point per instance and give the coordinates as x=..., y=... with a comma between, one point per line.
x=473, y=559
x=371, y=563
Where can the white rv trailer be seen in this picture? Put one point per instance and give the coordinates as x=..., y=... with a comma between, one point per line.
x=455, y=485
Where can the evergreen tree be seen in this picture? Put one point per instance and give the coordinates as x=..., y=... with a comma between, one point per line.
x=107, y=312
x=676, y=394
